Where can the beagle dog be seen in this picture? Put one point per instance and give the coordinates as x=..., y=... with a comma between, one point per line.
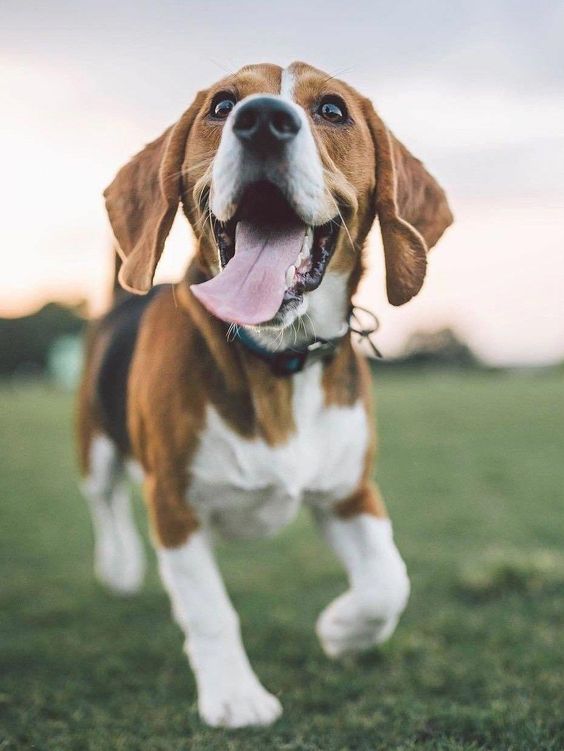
x=236, y=394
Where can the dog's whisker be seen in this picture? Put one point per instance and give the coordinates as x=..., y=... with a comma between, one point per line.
x=309, y=318
x=341, y=217
x=302, y=324
x=222, y=67
x=232, y=331
x=280, y=338
x=338, y=73
x=186, y=170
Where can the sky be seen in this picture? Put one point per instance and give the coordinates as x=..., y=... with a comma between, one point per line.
x=474, y=89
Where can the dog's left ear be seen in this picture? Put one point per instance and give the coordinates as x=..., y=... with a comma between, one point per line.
x=412, y=209
x=143, y=199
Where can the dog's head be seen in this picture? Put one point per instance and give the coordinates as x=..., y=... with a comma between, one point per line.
x=281, y=173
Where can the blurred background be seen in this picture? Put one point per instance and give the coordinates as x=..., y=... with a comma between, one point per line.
x=470, y=395
x=476, y=92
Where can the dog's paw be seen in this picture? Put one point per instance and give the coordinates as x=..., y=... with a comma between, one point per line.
x=238, y=706
x=344, y=627
x=362, y=618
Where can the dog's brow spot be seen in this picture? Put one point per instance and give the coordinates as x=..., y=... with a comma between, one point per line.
x=287, y=83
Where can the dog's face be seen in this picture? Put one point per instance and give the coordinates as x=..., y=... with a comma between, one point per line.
x=281, y=173
x=288, y=173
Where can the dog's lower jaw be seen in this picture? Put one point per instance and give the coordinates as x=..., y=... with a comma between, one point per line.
x=320, y=314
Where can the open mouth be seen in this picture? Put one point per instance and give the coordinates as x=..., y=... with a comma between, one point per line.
x=269, y=259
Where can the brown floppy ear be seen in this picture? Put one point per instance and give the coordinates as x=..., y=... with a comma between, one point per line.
x=412, y=209
x=142, y=202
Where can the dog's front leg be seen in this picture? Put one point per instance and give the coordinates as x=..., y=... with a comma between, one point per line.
x=360, y=534
x=229, y=693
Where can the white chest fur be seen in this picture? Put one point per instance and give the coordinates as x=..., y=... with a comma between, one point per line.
x=247, y=488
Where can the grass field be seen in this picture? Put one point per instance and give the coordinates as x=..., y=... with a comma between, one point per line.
x=472, y=467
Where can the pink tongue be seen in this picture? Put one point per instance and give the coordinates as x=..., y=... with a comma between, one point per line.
x=251, y=287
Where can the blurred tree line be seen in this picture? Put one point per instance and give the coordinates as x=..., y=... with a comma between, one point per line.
x=25, y=343
x=48, y=343
x=49, y=340
x=434, y=349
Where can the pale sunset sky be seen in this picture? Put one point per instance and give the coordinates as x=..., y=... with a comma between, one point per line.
x=474, y=89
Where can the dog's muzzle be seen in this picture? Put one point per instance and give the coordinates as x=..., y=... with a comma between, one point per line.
x=274, y=226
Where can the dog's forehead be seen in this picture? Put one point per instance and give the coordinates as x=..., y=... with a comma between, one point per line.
x=254, y=79
x=298, y=81
x=303, y=81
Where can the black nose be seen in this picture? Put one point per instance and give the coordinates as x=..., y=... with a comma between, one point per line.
x=266, y=123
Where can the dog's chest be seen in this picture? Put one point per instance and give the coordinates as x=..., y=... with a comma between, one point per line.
x=248, y=488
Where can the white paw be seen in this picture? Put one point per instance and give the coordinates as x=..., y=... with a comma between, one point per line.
x=238, y=706
x=361, y=619
x=343, y=627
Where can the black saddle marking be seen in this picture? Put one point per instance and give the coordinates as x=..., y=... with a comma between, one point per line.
x=121, y=326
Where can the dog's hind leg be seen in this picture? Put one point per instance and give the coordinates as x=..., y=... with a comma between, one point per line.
x=360, y=534
x=119, y=558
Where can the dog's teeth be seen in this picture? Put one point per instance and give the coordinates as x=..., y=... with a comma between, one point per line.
x=290, y=276
x=307, y=244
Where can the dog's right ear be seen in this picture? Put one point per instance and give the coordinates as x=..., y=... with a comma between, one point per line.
x=412, y=209
x=143, y=199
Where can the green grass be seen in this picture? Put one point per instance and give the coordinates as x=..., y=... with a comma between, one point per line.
x=472, y=469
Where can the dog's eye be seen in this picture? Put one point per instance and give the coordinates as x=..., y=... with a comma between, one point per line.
x=333, y=109
x=222, y=105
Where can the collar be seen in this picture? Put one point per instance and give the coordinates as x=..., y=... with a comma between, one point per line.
x=286, y=362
